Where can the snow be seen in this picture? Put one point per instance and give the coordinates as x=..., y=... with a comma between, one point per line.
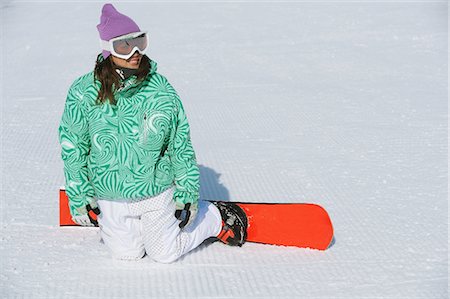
x=342, y=104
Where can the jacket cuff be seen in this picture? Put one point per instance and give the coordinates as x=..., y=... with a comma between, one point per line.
x=184, y=197
x=78, y=204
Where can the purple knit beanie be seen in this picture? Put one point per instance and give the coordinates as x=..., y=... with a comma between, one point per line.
x=114, y=24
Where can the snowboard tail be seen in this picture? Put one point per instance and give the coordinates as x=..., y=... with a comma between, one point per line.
x=287, y=224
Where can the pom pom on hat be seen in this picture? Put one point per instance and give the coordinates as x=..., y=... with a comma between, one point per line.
x=114, y=24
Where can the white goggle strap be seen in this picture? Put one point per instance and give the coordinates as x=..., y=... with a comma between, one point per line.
x=106, y=45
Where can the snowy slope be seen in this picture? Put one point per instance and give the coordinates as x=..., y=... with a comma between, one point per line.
x=343, y=104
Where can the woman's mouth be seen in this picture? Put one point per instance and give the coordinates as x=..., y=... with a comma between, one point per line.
x=134, y=59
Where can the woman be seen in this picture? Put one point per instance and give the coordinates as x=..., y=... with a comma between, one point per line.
x=128, y=155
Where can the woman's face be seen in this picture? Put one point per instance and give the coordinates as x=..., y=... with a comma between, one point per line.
x=131, y=63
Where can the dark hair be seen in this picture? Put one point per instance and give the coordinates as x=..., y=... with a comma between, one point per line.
x=105, y=73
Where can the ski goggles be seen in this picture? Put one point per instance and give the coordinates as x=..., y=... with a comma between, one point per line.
x=124, y=46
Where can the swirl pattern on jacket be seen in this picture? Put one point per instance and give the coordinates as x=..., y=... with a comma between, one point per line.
x=137, y=148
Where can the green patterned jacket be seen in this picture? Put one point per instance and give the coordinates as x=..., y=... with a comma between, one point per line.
x=137, y=148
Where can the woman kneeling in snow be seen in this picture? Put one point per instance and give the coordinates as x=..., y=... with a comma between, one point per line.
x=128, y=155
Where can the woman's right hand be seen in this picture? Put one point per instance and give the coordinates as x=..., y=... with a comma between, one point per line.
x=85, y=219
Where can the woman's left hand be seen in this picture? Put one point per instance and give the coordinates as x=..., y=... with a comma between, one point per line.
x=186, y=213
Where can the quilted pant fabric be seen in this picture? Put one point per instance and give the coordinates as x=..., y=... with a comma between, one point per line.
x=148, y=225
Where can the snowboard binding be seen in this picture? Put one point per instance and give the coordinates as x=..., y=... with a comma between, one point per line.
x=234, y=224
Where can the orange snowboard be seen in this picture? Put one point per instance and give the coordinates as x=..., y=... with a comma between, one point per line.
x=288, y=224
x=295, y=224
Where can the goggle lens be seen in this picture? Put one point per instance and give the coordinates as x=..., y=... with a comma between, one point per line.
x=125, y=46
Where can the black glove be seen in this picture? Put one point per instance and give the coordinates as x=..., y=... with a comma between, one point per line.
x=186, y=213
x=86, y=219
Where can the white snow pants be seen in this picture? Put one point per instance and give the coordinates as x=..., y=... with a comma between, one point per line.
x=131, y=229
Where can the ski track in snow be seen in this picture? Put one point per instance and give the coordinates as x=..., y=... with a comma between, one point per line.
x=340, y=104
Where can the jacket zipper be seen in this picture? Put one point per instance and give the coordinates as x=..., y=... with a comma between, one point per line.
x=144, y=133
